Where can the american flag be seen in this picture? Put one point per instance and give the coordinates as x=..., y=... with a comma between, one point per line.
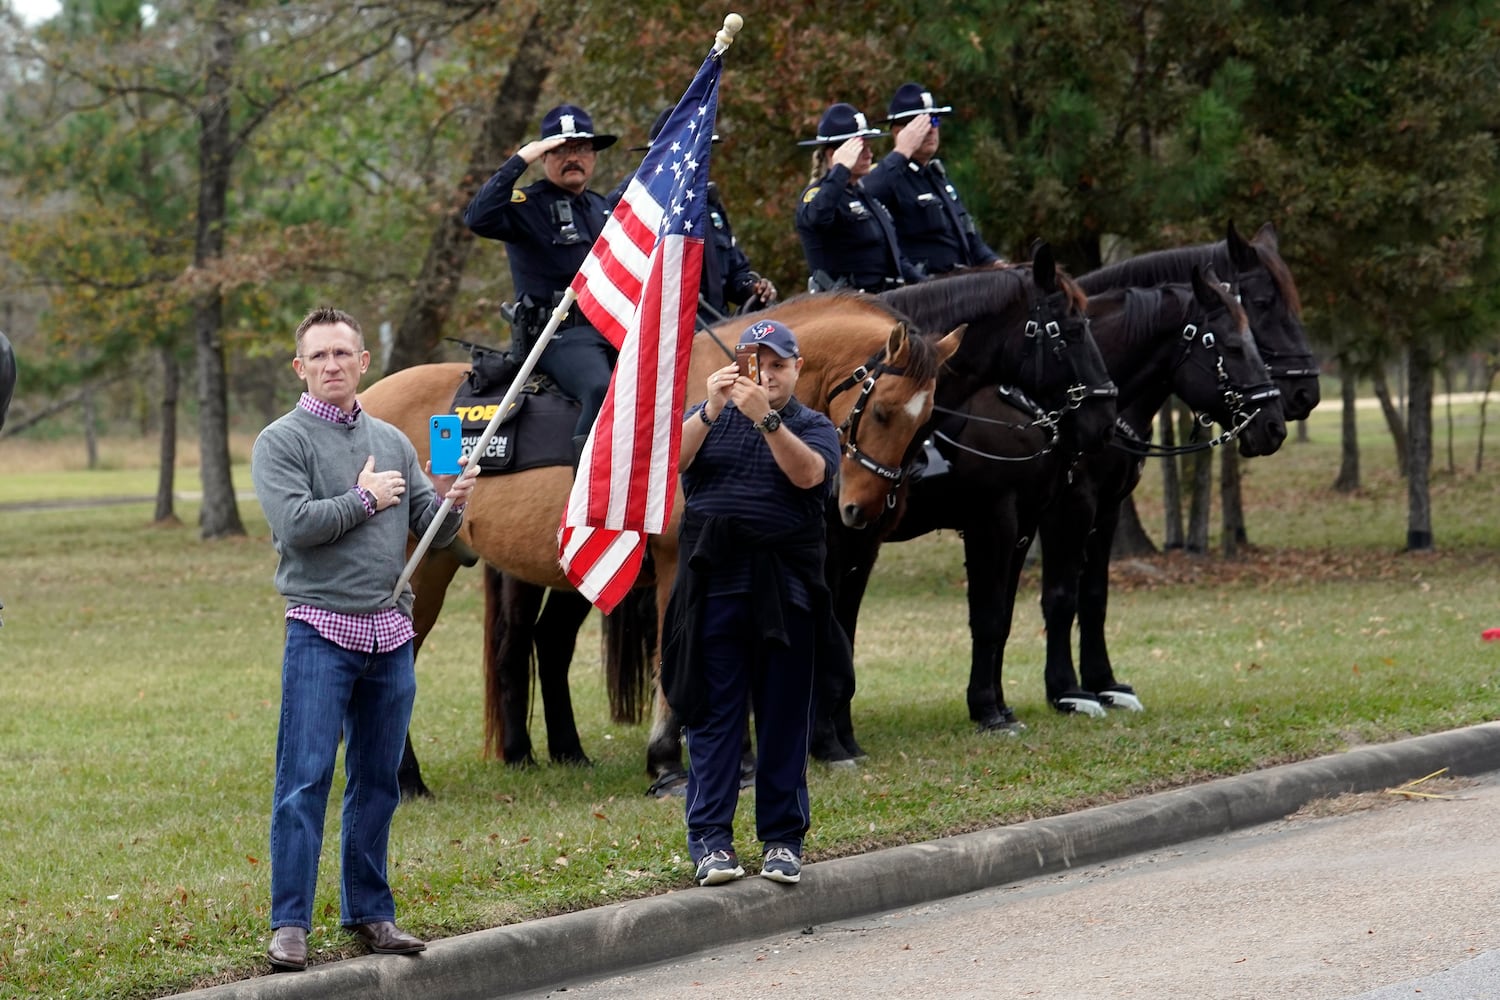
x=639, y=287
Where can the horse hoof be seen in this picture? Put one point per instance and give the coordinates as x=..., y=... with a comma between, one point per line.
x=669, y=784
x=1122, y=697
x=415, y=790
x=579, y=759
x=521, y=763
x=1004, y=723
x=1080, y=704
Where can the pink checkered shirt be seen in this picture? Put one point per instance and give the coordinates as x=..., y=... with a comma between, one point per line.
x=375, y=632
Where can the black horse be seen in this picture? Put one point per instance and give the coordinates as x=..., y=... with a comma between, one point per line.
x=1007, y=450
x=998, y=476
x=1189, y=339
x=1264, y=284
x=1078, y=585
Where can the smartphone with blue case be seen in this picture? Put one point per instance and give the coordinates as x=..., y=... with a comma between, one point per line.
x=446, y=444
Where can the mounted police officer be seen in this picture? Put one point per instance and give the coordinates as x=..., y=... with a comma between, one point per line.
x=728, y=279
x=548, y=228
x=934, y=228
x=848, y=236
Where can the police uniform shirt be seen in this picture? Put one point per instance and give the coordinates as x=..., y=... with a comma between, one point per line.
x=934, y=228
x=848, y=234
x=729, y=279
x=547, y=230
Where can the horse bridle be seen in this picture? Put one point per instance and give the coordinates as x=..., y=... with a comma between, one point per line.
x=1040, y=323
x=1236, y=399
x=865, y=376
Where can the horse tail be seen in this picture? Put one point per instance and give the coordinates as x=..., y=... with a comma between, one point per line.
x=629, y=639
x=494, y=636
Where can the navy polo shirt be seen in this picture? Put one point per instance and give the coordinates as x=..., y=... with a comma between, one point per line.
x=735, y=474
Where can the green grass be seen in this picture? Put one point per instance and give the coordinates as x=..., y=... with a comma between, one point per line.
x=139, y=670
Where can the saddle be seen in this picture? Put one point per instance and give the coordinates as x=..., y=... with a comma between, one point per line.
x=538, y=430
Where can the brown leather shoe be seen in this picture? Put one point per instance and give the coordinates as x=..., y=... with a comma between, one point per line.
x=387, y=939
x=288, y=948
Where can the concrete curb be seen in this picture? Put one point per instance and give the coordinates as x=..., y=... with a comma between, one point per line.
x=609, y=939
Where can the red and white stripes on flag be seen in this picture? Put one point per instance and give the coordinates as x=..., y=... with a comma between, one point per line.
x=639, y=287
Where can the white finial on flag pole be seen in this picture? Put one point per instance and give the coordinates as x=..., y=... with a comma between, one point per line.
x=732, y=25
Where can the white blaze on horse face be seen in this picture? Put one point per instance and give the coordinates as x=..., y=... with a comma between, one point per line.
x=916, y=407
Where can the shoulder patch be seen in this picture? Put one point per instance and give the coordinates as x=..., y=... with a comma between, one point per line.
x=517, y=196
x=810, y=194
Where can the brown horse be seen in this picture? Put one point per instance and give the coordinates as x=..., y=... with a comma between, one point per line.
x=856, y=350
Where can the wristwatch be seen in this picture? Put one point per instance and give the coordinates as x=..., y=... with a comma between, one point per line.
x=769, y=422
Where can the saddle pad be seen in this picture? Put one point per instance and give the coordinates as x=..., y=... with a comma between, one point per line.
x=537, y=432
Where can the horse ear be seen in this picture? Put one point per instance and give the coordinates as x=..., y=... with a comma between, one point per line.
x=1241, y=254
x=1265, y=236
x=1044, y=266
x=896, y=343
x=1201, y=287
x=948, y=346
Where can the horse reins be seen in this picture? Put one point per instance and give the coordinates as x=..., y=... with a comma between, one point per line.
x=1235, y=397
x=1049, y=421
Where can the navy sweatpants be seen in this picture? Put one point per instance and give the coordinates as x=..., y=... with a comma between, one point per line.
x=741, y=672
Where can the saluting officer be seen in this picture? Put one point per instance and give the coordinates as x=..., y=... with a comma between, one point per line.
x=847, y=235
x=934, y=228
x=728, y=280
x=548, y=228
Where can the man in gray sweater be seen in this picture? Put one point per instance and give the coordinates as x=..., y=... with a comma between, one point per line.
x=341, y=490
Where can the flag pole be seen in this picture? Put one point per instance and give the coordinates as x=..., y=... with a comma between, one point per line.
x=553, y=322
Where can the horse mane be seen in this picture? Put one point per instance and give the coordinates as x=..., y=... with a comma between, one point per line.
x=1167, y=266
x=922, y=359
x=947, y=300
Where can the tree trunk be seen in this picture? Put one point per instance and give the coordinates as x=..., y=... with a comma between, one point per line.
x=91, y=430
x=1393, y=418
x=1171, y=485
x=1348, y=477
x=1419, y=452
x=1203, y=495
x=220, y=515
x=436, y=287
x=1130, y=535
x=1484, y=406
x=171, y=388
x=1231, y=502
x=1448, y=416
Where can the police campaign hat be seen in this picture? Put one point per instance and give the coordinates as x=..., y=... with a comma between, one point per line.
x=769, y=333
x=840, y=123
x=913, y=99
x=572, y=122
x=656, y=127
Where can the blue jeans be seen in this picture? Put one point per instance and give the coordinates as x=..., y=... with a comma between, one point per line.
x=326, y=690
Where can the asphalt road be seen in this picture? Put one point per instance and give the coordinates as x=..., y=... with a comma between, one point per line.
x=1251, y=886
x=1372, y=892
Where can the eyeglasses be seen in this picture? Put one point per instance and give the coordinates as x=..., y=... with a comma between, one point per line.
x=340, y=355
x=937, y=120
x=575, y=148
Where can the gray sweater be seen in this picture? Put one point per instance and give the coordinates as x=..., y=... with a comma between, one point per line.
x=332, y=555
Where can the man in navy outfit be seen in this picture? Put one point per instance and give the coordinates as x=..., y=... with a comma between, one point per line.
x=934, y=228
x=847, y=235
x=749, y=606
x=548, y=228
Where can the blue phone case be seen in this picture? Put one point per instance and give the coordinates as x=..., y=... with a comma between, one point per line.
x=447, y=444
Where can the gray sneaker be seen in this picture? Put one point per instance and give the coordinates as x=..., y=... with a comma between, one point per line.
x=782, y=865
x=719, y=867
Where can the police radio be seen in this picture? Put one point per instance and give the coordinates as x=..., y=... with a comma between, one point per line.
x=567, y=230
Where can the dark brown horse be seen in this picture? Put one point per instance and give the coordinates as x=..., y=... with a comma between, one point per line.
x=512, y=520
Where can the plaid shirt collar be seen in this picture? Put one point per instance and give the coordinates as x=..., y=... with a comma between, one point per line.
x=327, y=411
